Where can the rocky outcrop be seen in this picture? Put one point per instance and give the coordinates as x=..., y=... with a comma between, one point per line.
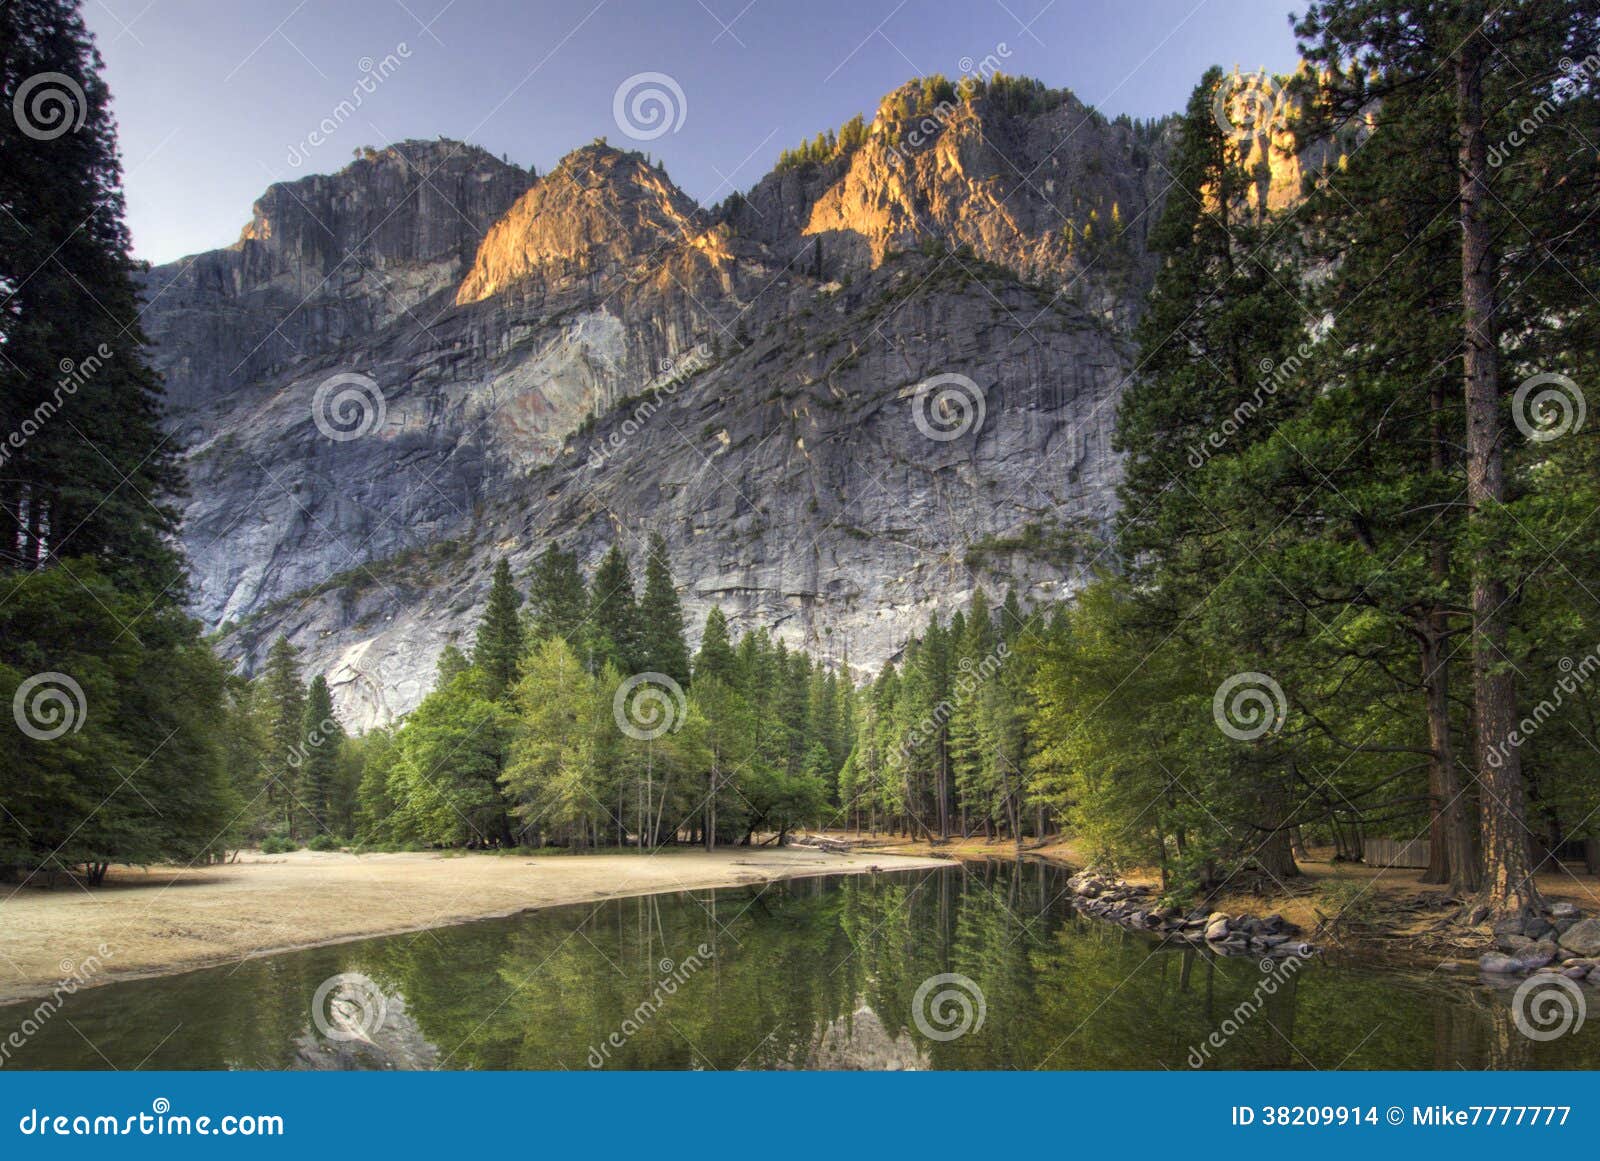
x=1050, y=190
x=325, y=262
x=432, y=359
x=597, y=213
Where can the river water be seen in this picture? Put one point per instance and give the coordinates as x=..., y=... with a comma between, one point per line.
x=981, y=966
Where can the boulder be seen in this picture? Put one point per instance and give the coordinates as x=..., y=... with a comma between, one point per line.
x=1515, y=925
x=1217, y=929
x=1536, y=955
x=1511, y=943
x=1537, y=927
x=1582, y=938
x=1565, y=910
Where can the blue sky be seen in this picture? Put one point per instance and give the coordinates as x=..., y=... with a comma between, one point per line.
x=216, y=99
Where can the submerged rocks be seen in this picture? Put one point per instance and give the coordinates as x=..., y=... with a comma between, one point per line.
x=1497, y=963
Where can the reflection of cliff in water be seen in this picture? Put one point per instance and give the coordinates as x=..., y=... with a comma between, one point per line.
x=398, y=1044
x=858, y=1041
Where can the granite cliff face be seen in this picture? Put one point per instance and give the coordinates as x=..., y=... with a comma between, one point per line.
x=433, y=359
x=1051, y=190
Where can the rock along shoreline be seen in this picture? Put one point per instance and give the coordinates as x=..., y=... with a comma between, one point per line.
x=1108, y=897
x=1561, y=941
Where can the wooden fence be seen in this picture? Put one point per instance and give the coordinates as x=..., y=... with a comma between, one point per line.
x=1381, y=852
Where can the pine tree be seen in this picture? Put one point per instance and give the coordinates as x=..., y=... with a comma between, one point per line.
x=88, y=477
x=451, y=663
x=728, y=737
x=614, y=622
x=664, y=649
x=498, y=650
x=970, y=761
x=95, y=475
x=792, y=705
x=1224, y=311
x=283, y=698
x=845, y=708
x=246, y=745
x=89, y=793
x=557, y=600
x=321, y=737
x=716, y=658
x=1218, y=312
x=822, y=723
x=1496, y=70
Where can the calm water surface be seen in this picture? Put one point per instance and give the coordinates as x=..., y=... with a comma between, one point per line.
x=818, y=973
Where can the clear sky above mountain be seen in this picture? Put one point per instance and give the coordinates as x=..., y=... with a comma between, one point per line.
x=216, y=100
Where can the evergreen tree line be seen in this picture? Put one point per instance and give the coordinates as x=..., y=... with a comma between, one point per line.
x=579, y=719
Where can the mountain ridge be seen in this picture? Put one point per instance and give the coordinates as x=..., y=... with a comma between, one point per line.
x=785, y=465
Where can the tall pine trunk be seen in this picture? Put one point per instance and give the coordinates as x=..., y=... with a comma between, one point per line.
x=1452, y=855
x=1508, y=887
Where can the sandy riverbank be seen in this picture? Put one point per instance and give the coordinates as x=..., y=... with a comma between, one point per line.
x=168, y=920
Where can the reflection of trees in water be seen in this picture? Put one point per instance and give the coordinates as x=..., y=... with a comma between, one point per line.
x=809, y=973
